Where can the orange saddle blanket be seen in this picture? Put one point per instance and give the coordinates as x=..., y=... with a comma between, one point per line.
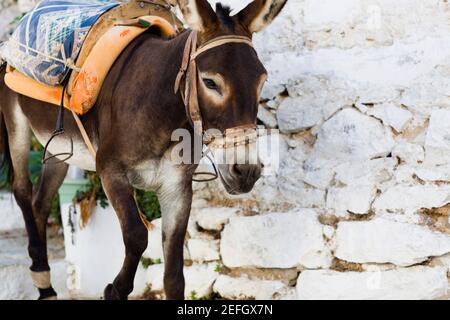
x=86, y=82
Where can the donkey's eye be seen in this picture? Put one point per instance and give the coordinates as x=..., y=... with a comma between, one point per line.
x=211, y=84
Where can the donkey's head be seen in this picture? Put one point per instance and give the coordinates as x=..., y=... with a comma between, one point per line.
x=230, y=76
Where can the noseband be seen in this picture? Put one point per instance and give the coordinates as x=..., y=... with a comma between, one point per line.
x=189, y=73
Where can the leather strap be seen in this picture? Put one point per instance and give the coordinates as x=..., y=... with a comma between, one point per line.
x=184, y=65
x=189, y=72
x=84, y=134
x=220, y=41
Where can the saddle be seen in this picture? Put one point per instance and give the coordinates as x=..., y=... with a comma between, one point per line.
x=116, y=27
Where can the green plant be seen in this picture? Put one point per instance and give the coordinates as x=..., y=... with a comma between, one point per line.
x=147, y=201
x=218, y=268
x=147, y=262
x=212, y=296
x=93, y=187
x=149, y=204
x=193, y=296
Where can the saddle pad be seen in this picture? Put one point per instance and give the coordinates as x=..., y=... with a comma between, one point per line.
x=88, y=82
x=49, y=38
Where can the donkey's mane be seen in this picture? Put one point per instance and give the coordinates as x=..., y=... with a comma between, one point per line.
x=224, y=14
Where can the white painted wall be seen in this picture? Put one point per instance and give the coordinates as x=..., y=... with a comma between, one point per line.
x=365, y=156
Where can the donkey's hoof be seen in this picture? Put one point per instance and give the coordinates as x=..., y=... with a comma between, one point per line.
x=47, y=294
x=111, y=293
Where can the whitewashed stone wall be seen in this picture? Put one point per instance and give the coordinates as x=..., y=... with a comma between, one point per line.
x=360, y=90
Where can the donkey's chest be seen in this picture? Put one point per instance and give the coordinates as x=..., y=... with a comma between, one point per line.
x=151, y=175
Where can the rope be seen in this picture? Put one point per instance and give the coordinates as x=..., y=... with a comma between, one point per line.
x=67, y=63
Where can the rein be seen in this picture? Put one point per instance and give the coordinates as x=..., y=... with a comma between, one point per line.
x=189, y=72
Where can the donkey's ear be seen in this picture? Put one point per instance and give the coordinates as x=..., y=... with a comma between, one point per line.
x=260, y=13
x=198, y=14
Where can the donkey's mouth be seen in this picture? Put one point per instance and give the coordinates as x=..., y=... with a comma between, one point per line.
x=235, y=186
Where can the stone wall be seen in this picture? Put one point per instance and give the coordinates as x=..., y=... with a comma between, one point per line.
x=360, y=91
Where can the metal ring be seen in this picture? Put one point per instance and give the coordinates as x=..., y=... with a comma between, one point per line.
x=68, y=155
x=214, y=175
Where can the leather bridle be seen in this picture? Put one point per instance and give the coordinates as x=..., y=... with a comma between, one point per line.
x=189, y=72
x=232, y=137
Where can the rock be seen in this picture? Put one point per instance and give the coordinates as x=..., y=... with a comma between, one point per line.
x=352, y=136
x=401, y=284
x=385, y=241
x=276, y=240
x=437, y=144
x=404, y=175
x=354, y=199
x=7, y=24
x=409, y=152
x=303, y=196
x=297, y=114
x=199, y=280
x=6, y=3
x=11, y=216
x=287, y=293
x=443, y=261
x=243, y=288
x=328, y=232
x=26, y=5
x=273, y=104
x=201, y=250
x=214, y=218
x=433, y=173
x=318, y=172
x=152, y=277
x=410, y=198
x=392, y=115
x=194, y=231
x=270, y=146
x=371, y=95
x=291, y=175
x=267, y=117
x=325, y=13
x=271, y=91
x=369, y=172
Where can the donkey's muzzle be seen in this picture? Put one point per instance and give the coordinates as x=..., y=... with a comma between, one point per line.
x=241, y=178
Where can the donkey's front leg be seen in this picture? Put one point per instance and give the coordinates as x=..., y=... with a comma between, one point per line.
x=175, y=197
x=135, y=235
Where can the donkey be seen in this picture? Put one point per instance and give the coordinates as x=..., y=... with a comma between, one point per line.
x=130, y=127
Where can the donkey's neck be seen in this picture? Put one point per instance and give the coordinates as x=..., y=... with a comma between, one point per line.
x=162, y=63
x=138, y=93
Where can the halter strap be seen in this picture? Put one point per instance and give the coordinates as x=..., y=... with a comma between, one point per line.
x=188, y=72
x=220, y=41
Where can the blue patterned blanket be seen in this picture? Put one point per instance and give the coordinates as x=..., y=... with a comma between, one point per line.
x=49, y=38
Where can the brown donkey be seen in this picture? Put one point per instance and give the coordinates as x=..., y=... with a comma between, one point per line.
x=131, y=126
